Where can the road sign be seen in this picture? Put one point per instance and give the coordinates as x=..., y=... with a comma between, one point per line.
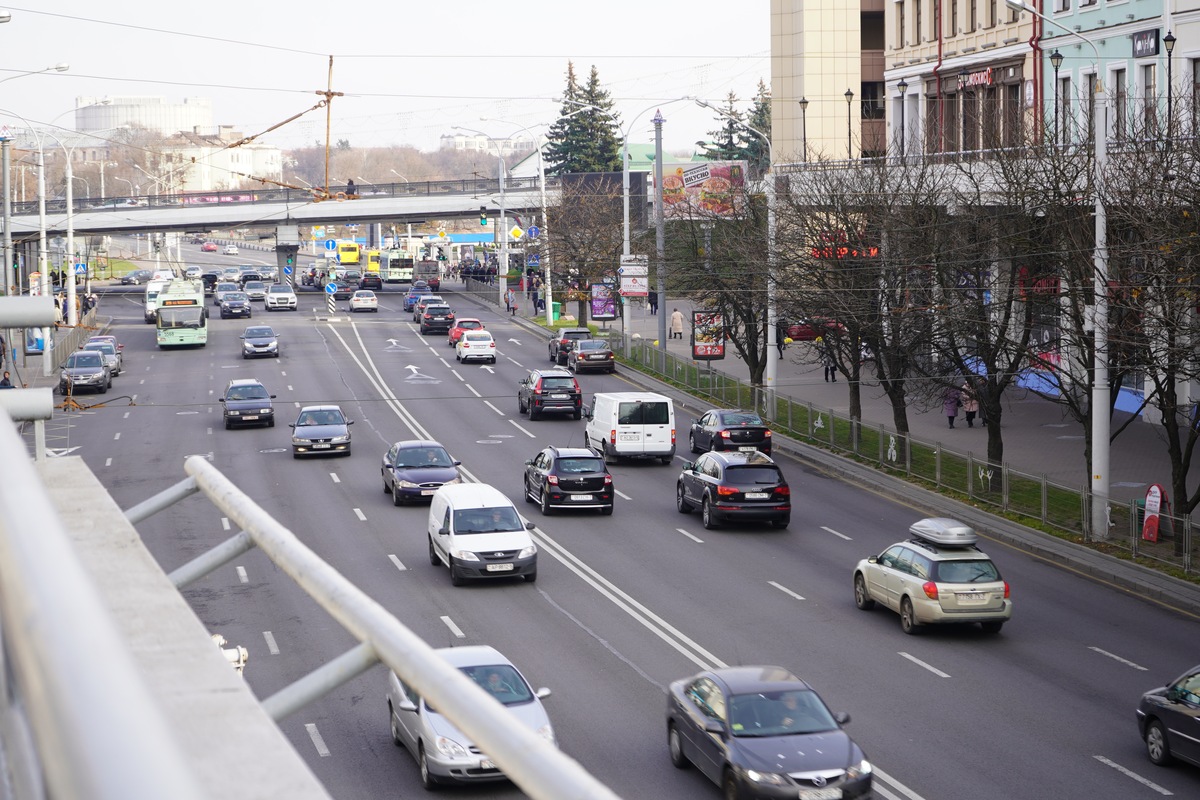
x=534, y=231
x=636, y=286
x=330, y=244
x=287, y=270
x=533, y=260
x=81, y=269
x=516, y=232
x=330, y=287
x=318, y=232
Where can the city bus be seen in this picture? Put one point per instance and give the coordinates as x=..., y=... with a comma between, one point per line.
x=348, y=253
x=181, y=317
x=396, y=266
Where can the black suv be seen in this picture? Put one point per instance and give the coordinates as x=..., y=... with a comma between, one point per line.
x=371, y=280
x=563, y=340
x=246, y=277
x=437, y=317
x=568, y=477
x=734, y=485
x=247, y=402
x=548, y=391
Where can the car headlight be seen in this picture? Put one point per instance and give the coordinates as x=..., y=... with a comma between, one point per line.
x=527, y=552
x=340, y=439
x=767, y=778
x=547, y=733
x=299, y=440
x=406, y=484
x=265, y=411
x=453, y=481
x=233, y=413
x=449, y=747
x=859, y=770
x=464, y=555
x=96, y=375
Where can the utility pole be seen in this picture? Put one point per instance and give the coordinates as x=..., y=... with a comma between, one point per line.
x=660, y=233
x=328, y=94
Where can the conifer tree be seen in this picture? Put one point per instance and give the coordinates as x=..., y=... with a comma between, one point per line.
x=587, y=139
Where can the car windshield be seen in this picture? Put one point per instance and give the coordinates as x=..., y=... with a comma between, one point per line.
x=107, y=349
x=364, y=295
x=259, y=333
x=88, y=359
x=593, y=344
x=559, y=383
x=752, y=476
x=742, y=418
x=778, y=714
x=477, y=337
x=329, y=416
x=257, y=285
x=279, y=288
x=487, y=520
x=235, y=296
x=577, y=465
x=252, y=392
x=974, y=571
x=226, y=287
x=423, y=457
x=470, y=324
x=502, y=681
x=638, y=413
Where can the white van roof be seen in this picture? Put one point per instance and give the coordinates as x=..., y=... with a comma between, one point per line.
x=633, y=396
x=474, y=495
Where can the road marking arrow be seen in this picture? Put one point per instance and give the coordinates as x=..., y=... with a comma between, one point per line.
x=59, y=452
x=517, y=342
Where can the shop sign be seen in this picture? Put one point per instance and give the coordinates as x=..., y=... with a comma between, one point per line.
x=981, y=78
x=1145, y=43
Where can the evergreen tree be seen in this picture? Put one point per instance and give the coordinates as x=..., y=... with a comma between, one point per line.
x=728, y=141
x=756, y=150
x=586, y=141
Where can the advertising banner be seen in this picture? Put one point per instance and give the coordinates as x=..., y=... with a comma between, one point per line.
x=634, y=286
x=706, y=190
x=708, y=336
x=604, y=303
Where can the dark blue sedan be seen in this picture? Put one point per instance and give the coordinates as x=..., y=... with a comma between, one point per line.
x=415, y=469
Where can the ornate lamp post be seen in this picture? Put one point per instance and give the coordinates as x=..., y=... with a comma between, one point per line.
x=1056, y=59
x=1169, y=44
x=803, y=101
x=903, y=87
x=849, y=126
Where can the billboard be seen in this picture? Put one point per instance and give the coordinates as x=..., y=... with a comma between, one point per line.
x=708, y=336
x=604, y=303
x=704, y=190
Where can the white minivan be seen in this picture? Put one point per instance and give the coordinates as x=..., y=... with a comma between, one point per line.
x=476, y=531
x=631, y=425
x=153, y=288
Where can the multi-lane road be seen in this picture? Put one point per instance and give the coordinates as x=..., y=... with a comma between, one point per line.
x=624, y=604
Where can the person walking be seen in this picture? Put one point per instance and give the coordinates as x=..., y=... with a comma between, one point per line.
x=676, y=331
x=6, y=381
x=970, y=404
x=652, y=301
x=830, y=365
x=951, y=402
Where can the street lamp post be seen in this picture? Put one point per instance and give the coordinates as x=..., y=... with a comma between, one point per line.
x=87, y=186
x=502, y=227
x=1056, y=59
x=803, y=101
x=1101, y=401
x=398, y=175
x=1169, y=44
x=104, y=164
x=903, y=87
x=849, y=125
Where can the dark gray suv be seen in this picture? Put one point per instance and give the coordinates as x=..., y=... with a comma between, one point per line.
x=563, y=340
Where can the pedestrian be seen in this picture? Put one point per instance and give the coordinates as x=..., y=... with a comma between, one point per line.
x=830, y=365
x=509, y=296
x=951, y=402
x=351, y=189
x=652, y=299
x=970, y=404
x=676, y=331
x=3, y=350
x=6, y=382
x=515, y=303
x=780, y=335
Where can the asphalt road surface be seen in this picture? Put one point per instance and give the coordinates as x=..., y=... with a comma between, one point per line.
x=624, y=604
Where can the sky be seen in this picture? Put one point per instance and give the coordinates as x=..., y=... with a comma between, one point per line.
x=410, y=71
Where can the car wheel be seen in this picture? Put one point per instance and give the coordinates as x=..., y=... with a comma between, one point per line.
x=228, y=425
x=528, y=494
x=706, y=515
x=1157, y=748
x=675, y=748
x=665, y=460
x=458, y=357
x=545, y=501
x=862, y=598
x=397, y=500
x=396, y=740
x=692, y=443
x=533, y=413
x=386, y=489
x=729, y=786
x=610, y=457
x=428, y=782
x=681, y=502
x=578, y=415
x=433, y=556
x=494, y=361
x=553, y=358
x=270, y=423
x=456, y=579
x=104, y=389
x=908, y=618
x=520, y=406
x=531, y=577
x=991, y=627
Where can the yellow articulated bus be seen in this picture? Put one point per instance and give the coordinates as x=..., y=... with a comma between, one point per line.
x=372, y=262
x=349, y=253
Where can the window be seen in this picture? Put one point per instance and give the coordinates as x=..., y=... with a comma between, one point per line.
x=970, y=121
x=1062, y=5
x=953, y=17
x=900, y=22
x=872, y=100
x=1149, y=99
x=993, y=17
x=1012, y=115
x=917, y=38
x=1121, y=104
x=972, y=15
x=1086, y=3
x=989, y=118
x=1195, y=94
x=1064, y=111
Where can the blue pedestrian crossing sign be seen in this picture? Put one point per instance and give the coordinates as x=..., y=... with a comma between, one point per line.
x=533, y=260
x=81, y=269
x=330, y=287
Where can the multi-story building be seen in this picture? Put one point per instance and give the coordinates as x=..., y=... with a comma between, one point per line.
x=520, y=143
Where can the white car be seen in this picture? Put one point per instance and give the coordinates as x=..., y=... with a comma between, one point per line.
x=192, y=272
x=364, y=300
x=476, y=344
x=280, y=297
x=255, y=290
x=230, y=250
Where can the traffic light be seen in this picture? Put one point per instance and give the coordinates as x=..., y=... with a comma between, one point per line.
x=291, y=259
x=483, y=215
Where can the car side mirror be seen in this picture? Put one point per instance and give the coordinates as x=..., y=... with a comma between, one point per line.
x=873, y=560
x=529, y=526
x=528, y=462
x=349, y=422
x=841, y=718
x=457, y=463
x=272, y=397
x=291, y=424
x=688, y=466
x=407, y=705
x=714, y=726
x=443, y=531
x=542, y=693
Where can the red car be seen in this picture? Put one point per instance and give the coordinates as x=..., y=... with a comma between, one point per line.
x=463, y=324
x=209, y=247
x=810, y=330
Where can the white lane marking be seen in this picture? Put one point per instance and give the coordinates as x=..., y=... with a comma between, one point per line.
x=290, y=389
x=210, y=431
x=317, y=741
x=1116, y=657
x=785, y=590
x=116, y=436
x=690, y=536
x=399, y=564
x=271, y=646
x=622, y=495
x=134, y=398
x=835, y=533
x=1131, y=774
x=108, y=462
x=225, y=524
x=242, y=576
x=513, y=360
x=142, y=381
x=477, y=394
x=297, y=404
x=905, y=792
x=335, y=477
x=361, y=516
x=461, y=379
x=493, y=408
x=127, y=413
x=517, y=425
x=283, y=372
x=453, y=628
x=929, y=667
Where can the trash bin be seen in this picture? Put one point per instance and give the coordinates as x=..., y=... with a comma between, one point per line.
x=1141, y=514
x=555, y=311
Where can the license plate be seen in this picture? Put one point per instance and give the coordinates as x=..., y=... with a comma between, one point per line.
x=972, y=598
x=320, y=447
x=745, y=448
x=559, y=396
x=821, y=794
x=425, y=492
x=499, y=567
x=486, y=764
x=629, y=437
x=757, y=495
x=581, y=497
x=250, y=416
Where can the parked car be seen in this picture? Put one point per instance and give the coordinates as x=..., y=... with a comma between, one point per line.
x=209, y=247
x=938, y=576
x=246, y=401
x=137, y=277
x=236, y=304
x=415, y=469
x=568, y=477
x=259, y=341
x=461, y=325
x=476, y=345
x=723, y=429
x=436, y=317
x=549, y=391
x=1167, y=720
x=230, y=250
x=281, y=297
x=443, y=752
x=84, y=369
x=591, y=354
x=364, y=300
x=734, y=486
x=321, y=430
x=563, y=340
x=761, y=732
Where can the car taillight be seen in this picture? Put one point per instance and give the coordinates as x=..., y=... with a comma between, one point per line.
x=930, y=589
x=575, y=383
x=608, y=480
x=1006, y=590
x=427, y=315
x=725, y=434
x=767, y=434
x=612, y=437
x=491, y=344
x=727, y=491
x=672, y=436
x=783, y=491
x=552, y=480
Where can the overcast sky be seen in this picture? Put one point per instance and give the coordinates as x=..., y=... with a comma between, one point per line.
x=409, y=70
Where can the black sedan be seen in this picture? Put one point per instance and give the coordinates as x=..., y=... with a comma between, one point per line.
x=761, y=732
x=236, y=304
x=415, y=469
x=1169, y=720
x=137, y=277
x=721, y=429
x=734, y=486
x=568, y=477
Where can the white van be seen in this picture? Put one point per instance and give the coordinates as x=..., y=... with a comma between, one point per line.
x=632, y=425
x=153, y=288
x=476, y=531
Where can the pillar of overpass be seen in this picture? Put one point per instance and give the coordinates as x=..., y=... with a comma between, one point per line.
x=287, y=245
